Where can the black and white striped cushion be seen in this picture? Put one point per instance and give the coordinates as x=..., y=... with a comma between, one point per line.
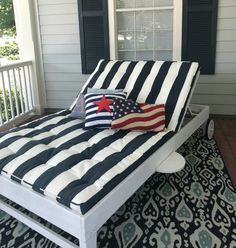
x=56, y=157
x=154, y=82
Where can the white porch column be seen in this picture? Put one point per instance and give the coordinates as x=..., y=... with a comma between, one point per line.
x=28, y=33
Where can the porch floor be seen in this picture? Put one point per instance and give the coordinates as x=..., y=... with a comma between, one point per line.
x=225, y=136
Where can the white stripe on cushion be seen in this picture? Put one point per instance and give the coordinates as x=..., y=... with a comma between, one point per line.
x=90, y=191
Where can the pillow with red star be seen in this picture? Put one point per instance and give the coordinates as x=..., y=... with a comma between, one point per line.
x=99, y=109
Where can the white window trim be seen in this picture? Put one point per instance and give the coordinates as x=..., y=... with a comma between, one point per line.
x=177, y=30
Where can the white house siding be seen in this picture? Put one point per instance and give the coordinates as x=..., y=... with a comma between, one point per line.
x=219, y=90
x=59, y=28
x=62, y=61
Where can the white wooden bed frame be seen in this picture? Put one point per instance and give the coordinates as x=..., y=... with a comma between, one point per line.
x=85, y=227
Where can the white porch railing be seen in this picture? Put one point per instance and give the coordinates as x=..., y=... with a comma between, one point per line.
x=16, y=96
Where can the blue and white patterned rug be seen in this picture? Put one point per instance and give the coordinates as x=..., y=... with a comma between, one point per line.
x=195, y=207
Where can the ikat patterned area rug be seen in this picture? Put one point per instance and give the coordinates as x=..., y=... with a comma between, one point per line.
x=195, y=207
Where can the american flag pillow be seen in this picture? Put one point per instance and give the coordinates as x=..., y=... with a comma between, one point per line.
x=99, y=109
x=130, y=115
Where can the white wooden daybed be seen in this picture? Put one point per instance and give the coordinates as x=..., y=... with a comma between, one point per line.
x=84, y=222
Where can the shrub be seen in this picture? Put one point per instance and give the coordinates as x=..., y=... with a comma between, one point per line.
x=8, y=103
x=10, y=51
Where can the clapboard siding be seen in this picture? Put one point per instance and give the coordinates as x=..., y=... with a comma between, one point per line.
x=61, y=86
x=64, y=77
x=71, y=29
x=58, y=20
x=215, y=89
x=57, y=39
x=219, y=90
x=62, y=60
x=47, y=2
x=61, y=49
x=59, y=28
x=58, y=9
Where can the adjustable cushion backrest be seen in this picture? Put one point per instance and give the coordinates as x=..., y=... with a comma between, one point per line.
x=159, y=82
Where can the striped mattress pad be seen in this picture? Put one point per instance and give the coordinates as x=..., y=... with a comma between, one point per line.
x=56, y=157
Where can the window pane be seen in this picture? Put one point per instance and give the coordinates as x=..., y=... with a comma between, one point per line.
x=143, y=3
x=144, y=55
x=163, y=55
x=128, y=55
x=163, y=40
x=144, y=30
x=163, y=3
x=145, y=34
x=120, y=4
x=125, y=25
x=163, y=19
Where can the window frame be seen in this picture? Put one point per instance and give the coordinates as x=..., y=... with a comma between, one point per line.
x=177, y=29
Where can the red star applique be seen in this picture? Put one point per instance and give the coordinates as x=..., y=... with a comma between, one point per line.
x=104, y=104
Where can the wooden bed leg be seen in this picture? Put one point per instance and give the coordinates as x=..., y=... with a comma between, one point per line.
x=89, y=241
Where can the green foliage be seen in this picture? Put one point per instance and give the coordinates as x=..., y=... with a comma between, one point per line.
x=10, y=51
x=7, y=18
x=8, y=103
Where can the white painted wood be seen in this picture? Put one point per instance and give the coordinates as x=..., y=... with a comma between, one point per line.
x=58, y=104
x=47, y=2
x=62, y=86
x=226, y=3
x=4, y=96
x=226, y=68
x=226, y=57
x=226, y=23
x=60, y=29
x=227, y=12
x=174, y=163
x=226, y=46
x=212, y=99
x=38, y=227
x=218, y=79
x=28, y=35
x=223, y=109
x=17, y=77
x=59, y=19
x=177, y=32
x=226, y=35
x=223, y=89
x=63, y=95
x=112, y=29
x=61, y=49
x=60, y=39
x=58, y=9
x=17, y=121
x=62, y=68
x=85, y=227
x=66, y=77
x=61, y=59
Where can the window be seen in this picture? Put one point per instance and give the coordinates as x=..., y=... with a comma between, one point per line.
x=145, y=30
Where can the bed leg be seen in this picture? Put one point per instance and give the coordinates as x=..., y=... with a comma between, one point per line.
x=89, y=241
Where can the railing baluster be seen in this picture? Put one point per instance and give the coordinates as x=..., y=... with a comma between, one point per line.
x=26, y=90
x=30, y=86
x=10, y=95
x=21, y=93
x=15, y=77
x=4, y=97
x=1, y=115
x=15, y=93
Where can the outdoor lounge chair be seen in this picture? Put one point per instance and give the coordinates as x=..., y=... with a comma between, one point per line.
x=75, y=178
